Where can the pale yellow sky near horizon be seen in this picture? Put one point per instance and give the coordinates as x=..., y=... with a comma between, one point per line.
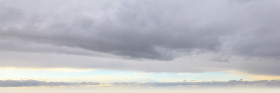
x=135, y=90
x=102, y=75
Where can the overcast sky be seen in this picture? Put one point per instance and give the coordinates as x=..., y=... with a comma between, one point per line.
x=142, y=35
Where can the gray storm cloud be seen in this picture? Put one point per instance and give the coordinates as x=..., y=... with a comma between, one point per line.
x=160, y=30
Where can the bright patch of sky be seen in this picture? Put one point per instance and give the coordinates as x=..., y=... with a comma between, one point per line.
x=90, y=75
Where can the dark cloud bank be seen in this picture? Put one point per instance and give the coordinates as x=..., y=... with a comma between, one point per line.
x=160, y=30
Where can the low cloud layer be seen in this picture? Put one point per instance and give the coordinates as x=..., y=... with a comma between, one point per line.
x=35, y=83
x=212, y=35
x=232, y=83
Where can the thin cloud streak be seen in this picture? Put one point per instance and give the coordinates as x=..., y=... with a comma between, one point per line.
x=231, y=83
x=36, y=83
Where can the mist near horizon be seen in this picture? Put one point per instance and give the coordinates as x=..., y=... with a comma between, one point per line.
x=138, y=90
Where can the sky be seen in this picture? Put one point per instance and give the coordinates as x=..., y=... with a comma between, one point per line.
x=139, y=43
